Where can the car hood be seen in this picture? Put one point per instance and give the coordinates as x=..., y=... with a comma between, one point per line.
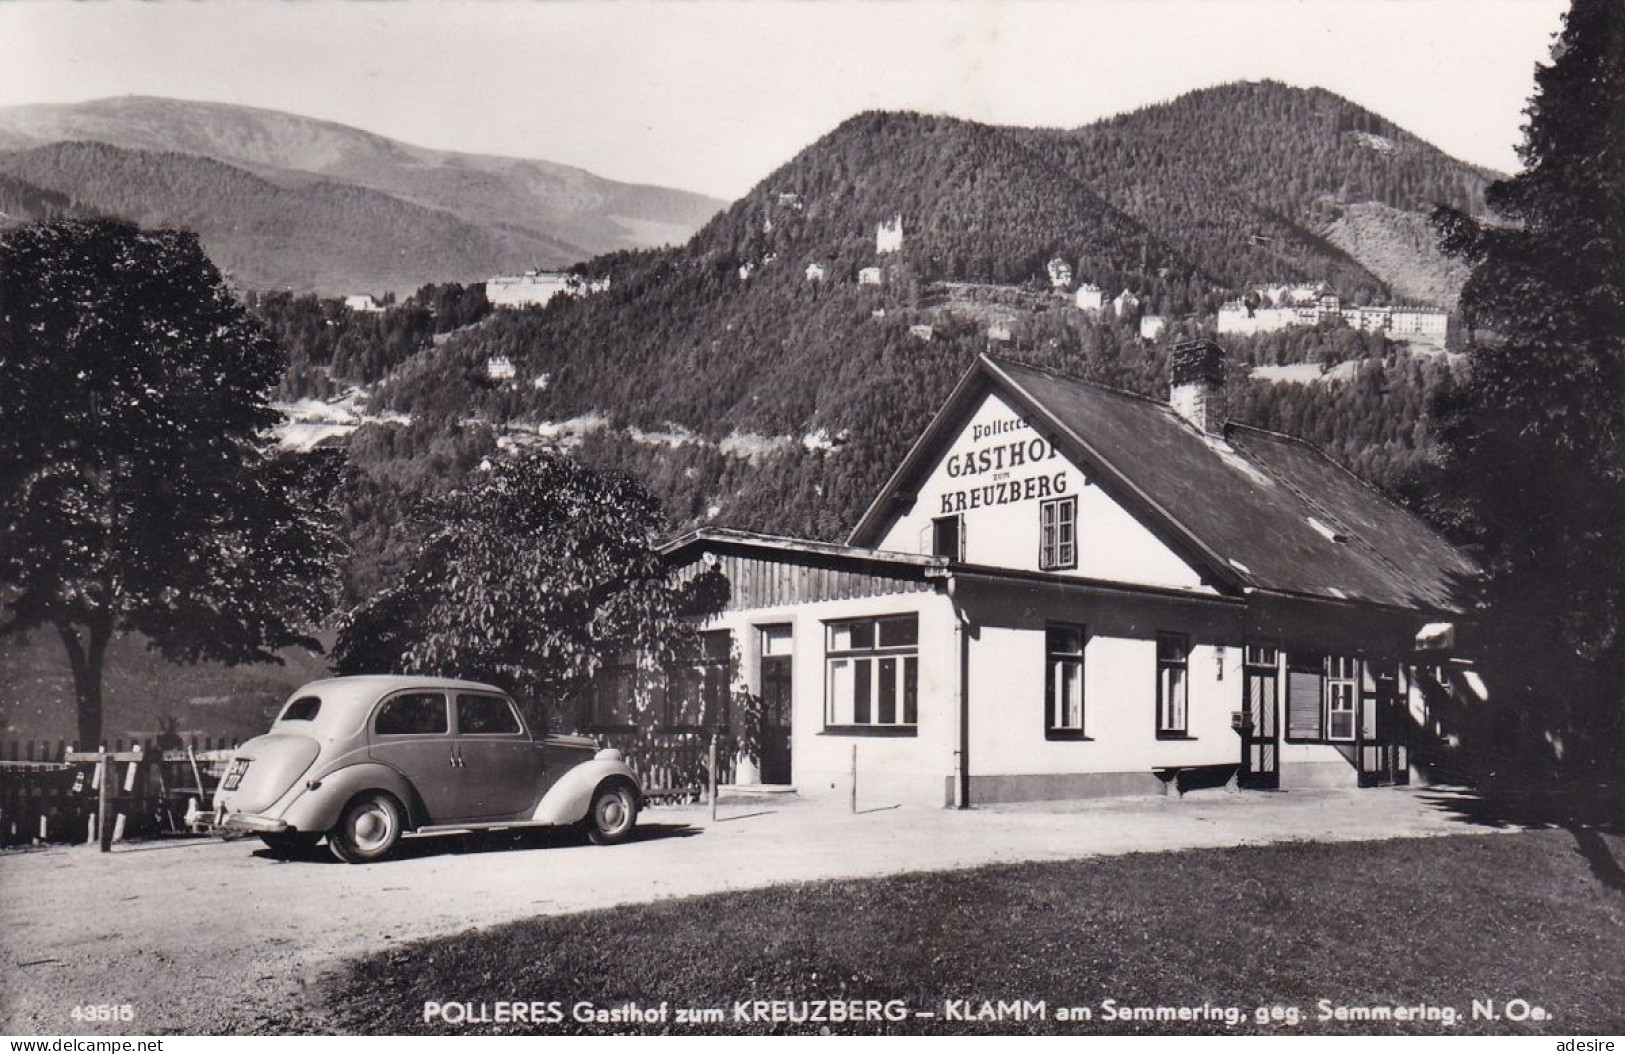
x=275, y=761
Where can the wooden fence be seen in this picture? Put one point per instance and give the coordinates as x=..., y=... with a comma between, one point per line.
x=672, y=764
x=49, y=791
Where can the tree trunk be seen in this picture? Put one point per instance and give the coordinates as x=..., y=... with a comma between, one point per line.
x=85, y=656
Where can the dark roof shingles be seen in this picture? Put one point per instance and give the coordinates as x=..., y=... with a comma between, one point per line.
x=1248, y=499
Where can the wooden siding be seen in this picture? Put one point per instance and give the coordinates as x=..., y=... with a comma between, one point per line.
x=758, y=581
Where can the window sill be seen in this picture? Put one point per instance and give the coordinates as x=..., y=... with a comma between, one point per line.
x=1064, y=735
x=872, y=731
x=1176, y=736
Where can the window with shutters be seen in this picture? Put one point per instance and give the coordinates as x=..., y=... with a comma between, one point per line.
x=1305, y=698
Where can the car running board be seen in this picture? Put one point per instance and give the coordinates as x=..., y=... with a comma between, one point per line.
x=469, y=828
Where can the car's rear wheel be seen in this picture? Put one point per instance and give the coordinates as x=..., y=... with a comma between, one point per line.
x=614, y=811
x=289, y=843
x=368, y=829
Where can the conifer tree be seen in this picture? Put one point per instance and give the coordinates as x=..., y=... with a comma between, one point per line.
x=1535, y=442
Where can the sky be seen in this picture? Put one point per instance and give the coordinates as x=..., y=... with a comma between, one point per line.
x=712, y=96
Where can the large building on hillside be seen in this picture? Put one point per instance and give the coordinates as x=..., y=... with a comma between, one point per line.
x=537, y=288
x=1240, y=318
x=1066, y=590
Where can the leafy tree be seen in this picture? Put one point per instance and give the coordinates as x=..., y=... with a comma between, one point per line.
x=1535, y=441
x=143, y=490
x=533, y=576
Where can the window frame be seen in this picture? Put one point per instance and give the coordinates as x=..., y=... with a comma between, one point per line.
x=958, y=520
x=1342, y=684
x=905, y=683
x=384, y=704
x=1054, y=660
x=513, y=712
x=1058, y=555
x=1166, y=729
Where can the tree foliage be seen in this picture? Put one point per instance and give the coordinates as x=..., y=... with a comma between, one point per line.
x=532, y=576
x=1536, y=441
x=143, y=491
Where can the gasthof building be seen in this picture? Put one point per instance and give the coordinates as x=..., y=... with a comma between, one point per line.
x=1066, y=591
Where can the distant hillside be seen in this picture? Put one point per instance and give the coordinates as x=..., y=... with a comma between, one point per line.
x=1249, y=181
x=431, y=215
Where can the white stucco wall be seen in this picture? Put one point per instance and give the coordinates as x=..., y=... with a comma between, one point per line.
x=1112, y=544
x=1008, y=720
x=891, y=769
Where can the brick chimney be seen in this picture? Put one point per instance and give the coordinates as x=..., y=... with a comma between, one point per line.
x=1197, y=392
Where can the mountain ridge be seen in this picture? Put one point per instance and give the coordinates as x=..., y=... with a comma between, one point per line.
x=562, y=212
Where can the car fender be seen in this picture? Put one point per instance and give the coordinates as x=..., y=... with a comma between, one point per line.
x=568, y=800
x=317, y=809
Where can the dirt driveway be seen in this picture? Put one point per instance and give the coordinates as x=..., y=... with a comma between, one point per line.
x=216, y=936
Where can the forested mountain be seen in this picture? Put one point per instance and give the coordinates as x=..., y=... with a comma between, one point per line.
x=367, y=213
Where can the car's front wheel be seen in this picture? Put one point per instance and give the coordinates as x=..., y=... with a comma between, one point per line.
x=614, y=811
x=368, y=829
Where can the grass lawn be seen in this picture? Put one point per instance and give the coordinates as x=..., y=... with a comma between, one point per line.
x=1536, y=916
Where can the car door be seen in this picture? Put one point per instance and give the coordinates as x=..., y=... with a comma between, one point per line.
x=500, y=767
x=411, y=733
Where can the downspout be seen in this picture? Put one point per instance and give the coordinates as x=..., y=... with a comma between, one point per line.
x=962, y=625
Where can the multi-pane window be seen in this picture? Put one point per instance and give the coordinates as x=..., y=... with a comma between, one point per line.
x=1063, y=680
x=872, y=672
x=1342, y=696
x=611, y=698
x=1058, y=534
x=698, y=692
x=1173, y=675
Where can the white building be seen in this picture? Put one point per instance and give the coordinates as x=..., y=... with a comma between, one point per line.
x=1126, y=304
x=816, y=272
x=363, y=302
x=889, y=236
x=1089, y=297
x=869, y=276
x=921, y=331
x=499, y=368
x=537, y=288
x=1425, y=323
x=1152, y=326
x=1060, y=273
x=1066, y=591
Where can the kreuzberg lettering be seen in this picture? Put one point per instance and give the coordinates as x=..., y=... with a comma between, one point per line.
x=1001, y=458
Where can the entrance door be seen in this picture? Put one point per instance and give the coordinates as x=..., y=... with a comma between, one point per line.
x=777, y=664
x=1383, y=757
x=1260, y=732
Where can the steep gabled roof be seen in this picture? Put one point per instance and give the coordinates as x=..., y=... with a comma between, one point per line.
x=1252, y=511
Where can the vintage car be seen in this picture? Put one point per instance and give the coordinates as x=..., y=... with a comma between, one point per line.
x=366, y=761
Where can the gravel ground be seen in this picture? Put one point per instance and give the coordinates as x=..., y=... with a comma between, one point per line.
x=212, y=936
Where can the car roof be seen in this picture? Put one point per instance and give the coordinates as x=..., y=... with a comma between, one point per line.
x=371, y=687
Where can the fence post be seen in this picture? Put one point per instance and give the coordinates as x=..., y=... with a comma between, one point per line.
x=711, y=776
x=104, y=799
x=854, y=777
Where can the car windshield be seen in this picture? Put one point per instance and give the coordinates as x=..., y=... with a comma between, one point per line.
x=303, y=708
